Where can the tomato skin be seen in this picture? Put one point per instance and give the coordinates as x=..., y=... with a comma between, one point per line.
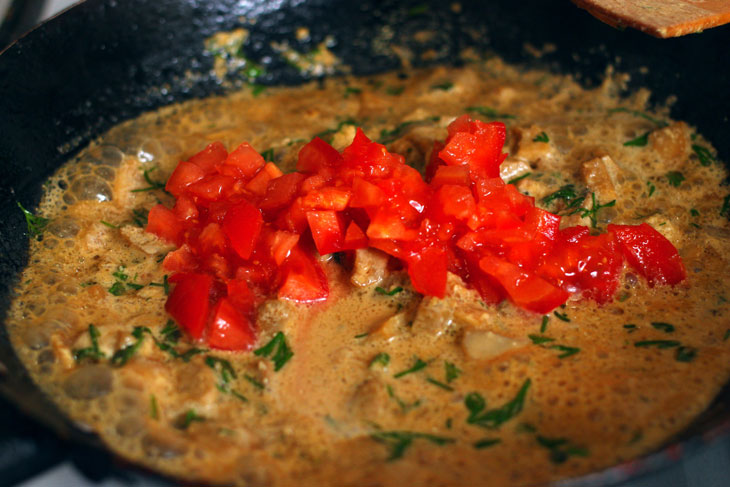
x=210, y=157
x=164, y=223
x=229, y=328
x=525, y=289
x=304, y=279
x=650, y=253
x=327, y=231
x=189, y=302
x=316, y=155
x=242, y=225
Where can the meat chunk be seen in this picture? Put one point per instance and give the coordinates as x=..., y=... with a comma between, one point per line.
x=671, y=142
x=434, y=316
x=149, y=243
x=96, y=236
x=392, y=327
x=371, y=267
x=487, y=345
x=512, y=168
x=601, y=175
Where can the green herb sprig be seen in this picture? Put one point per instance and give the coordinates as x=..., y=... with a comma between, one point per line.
x=399, y=441
x=281, y=351
x=494, y=418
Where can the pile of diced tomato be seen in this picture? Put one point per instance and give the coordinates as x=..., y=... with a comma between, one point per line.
x=245, y=231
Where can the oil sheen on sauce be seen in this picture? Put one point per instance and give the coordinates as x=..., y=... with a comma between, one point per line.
x=599, y=384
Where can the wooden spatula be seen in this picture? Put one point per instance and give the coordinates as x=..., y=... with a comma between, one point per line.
x=660, y=18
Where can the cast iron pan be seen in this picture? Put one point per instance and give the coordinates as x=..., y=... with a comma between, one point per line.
x=105, y=61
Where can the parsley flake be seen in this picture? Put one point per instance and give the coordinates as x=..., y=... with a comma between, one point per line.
x=93, y=352
x=418, y=365
x=494, y=418
x=665, y=327
x=35, y=224
x=392, y=292
x=704, y=154
x=541, y=137
x=675, y=178
x=639, y=141
x=380, y=359
x=399, y=441
x=282, y=354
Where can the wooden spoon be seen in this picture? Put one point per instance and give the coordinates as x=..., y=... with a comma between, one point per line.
x=660, y=18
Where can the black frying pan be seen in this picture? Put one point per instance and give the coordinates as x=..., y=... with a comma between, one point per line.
x=105, y=61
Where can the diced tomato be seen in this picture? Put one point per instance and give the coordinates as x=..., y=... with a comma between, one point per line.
x=313, y=182
x=164, y=223
x=304, y=279
x=259, y=183
x=455, y=201
x=185, y=174
x=212, y=187
x=189, y=302
x=427, y=270
x=212, y=239
x=210, y=157
x=650, y=253
x=242, y=226
x=240, y=295
x=185, y=209
x=281, y=191
x=249, y=231
x=281, y=244
x=434, y=162
x=180, y=260
x=293, y=218
x=451, y=175
x=328, y=198
x=366, y=195
x=316, y=155
x=385, y=224
x=230, y=329
x=479, y=146
x=273, y=170
x=327, y=231
x=354, y=237
x=245, y=160
x=587, y=264
x=525, y=289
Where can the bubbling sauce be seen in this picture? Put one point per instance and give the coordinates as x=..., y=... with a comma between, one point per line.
x=386, y=386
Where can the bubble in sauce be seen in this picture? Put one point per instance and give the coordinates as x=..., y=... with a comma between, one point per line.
x=89, y=382
x=92, y=188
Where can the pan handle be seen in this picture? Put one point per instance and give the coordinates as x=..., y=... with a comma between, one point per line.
x=20, y=17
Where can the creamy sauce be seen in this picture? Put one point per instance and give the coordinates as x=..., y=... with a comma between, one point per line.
x=338, y=412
